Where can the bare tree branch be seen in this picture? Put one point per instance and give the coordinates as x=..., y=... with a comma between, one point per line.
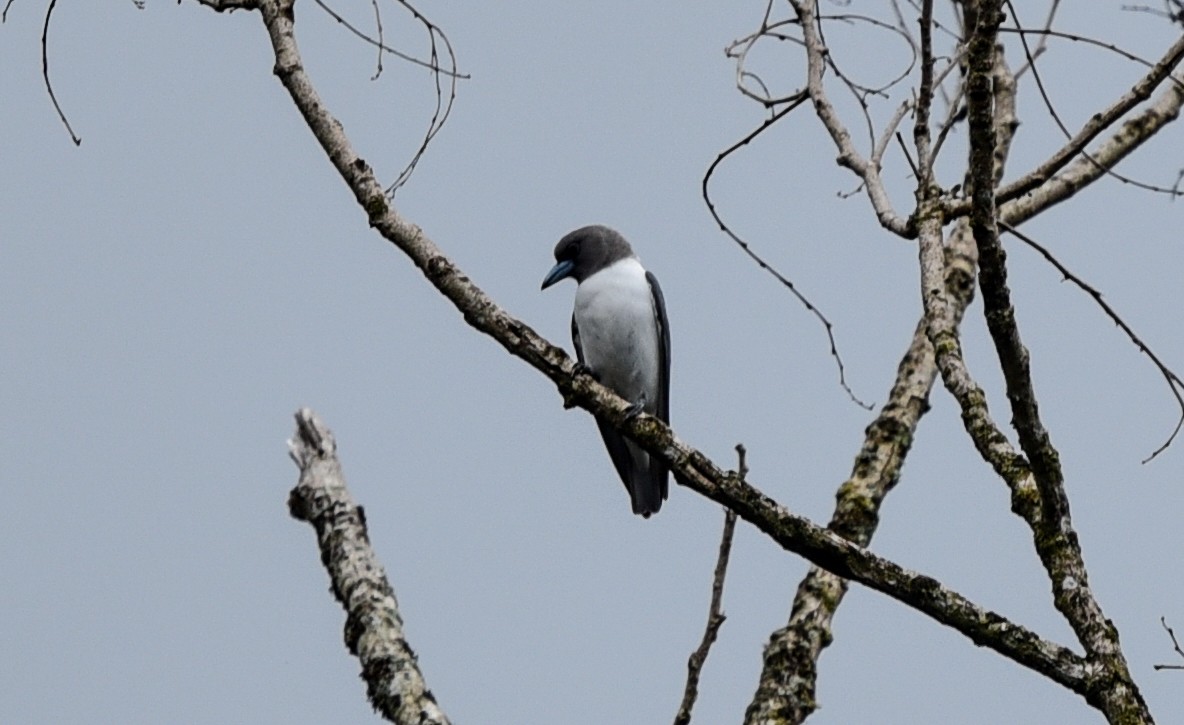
x=816, y=53
x=373, y=626
x=1095, y=126
x=786, y=692
x=1081, y=173
x=715, y=615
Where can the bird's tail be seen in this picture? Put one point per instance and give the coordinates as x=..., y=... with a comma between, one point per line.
x=648, y=484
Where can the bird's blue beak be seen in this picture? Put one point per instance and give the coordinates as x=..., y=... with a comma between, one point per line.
x=558, y=272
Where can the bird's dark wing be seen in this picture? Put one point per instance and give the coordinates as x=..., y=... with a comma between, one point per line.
x=613, y=441
x=575, y=339
x=658, y=467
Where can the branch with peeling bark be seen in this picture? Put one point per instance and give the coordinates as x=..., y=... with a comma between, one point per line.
x=373, y=627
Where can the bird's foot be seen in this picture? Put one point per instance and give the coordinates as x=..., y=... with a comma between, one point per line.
x=582, y=369
x=636, y=409
x=579, y=369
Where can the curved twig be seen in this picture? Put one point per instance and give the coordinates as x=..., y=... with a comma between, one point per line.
x=1175, y=384
x=443, y=109
x=760, y=261
x=383, y=48
x=45, y=72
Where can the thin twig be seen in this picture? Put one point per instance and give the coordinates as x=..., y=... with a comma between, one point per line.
x=1175, y=384
x=386, y=48
x=1174, y=10
x=805, y=301
x=443, y=109
x=378, y=27
x=904, y=149
x=1086, y=40
x=1175, y=646
x=45, y=72
x=715, y=615
x=1043, y=44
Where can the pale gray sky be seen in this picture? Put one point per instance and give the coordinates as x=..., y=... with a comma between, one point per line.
x=175, y=288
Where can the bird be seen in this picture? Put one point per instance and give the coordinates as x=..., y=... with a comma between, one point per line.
x=622, y=339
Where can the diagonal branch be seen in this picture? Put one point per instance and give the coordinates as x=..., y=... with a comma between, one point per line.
x=1063, y=558
x=1128, y=137
x=1035, y=180
x=373, y=626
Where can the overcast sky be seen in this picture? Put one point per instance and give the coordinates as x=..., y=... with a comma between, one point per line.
x=172, y=290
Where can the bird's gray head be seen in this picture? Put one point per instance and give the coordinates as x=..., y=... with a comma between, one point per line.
x=586, y=251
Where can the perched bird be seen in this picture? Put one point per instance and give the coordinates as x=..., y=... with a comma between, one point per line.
x=623, y=340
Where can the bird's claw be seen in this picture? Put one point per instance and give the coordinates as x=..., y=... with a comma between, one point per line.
x=636, y=409
x=582, y=369
x=578, y=370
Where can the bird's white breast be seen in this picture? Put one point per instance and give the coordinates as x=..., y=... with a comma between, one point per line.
x=614, y=311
